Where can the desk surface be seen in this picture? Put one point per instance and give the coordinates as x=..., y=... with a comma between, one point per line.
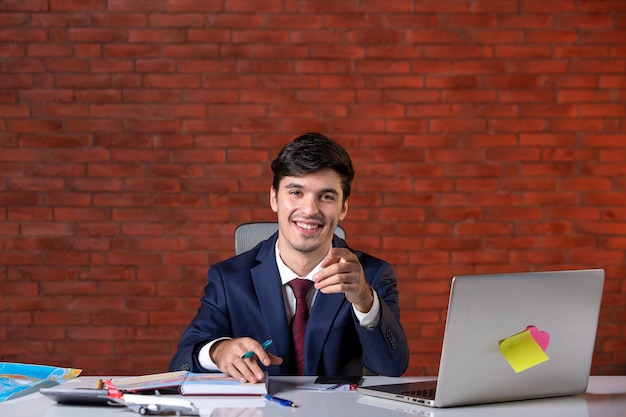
x=605, y=397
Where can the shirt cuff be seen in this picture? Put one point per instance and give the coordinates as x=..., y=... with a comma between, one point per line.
x=204, y=358
x=370, y=319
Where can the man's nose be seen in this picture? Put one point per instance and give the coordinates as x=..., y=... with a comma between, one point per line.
x=310, y=205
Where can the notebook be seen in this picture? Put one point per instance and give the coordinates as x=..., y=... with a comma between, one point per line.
x=511, y=337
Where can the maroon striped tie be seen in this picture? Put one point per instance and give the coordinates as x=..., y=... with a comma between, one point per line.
x=300, y=289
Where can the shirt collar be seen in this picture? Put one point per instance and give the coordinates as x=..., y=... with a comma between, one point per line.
x=286, y=274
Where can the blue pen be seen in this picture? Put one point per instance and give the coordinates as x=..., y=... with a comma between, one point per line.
x=265, y=345
x=281, y=401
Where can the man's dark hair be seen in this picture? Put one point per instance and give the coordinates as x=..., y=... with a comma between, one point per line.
x=310, y=153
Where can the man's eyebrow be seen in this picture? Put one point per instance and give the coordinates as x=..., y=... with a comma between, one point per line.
x=322, y=191
x=329, y=191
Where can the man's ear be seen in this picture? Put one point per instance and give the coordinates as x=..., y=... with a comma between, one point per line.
x=344, y=211
x=273, y=200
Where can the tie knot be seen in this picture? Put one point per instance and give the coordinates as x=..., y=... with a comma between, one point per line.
x=300, y=287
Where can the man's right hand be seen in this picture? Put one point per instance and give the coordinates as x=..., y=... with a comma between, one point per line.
x=227, y=355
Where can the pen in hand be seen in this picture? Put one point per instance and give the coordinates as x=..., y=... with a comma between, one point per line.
x=264, y=345
x=281, y=401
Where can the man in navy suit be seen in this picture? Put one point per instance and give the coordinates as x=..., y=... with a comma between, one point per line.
x=354, y=318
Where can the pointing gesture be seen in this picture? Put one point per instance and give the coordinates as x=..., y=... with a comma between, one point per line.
x=343, y=273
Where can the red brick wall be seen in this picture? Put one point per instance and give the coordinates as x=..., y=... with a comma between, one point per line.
x=488, y=136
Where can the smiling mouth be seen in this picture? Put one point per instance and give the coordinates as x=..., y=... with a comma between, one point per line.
x=307, y=226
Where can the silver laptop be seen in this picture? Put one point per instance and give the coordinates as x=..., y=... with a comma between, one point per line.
x=570, y=406
x=490, y=354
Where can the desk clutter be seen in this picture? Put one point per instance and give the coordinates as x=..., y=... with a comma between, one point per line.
x=147, y=394
x=605, y=397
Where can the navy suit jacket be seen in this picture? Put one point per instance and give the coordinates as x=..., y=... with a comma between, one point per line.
x=244, y=297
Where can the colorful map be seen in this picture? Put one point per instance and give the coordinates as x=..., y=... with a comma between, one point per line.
x=17, y=379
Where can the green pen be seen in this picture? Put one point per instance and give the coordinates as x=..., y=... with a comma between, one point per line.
x=265, y=345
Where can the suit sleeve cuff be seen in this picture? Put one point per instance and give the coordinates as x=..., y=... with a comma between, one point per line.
x=204, y=358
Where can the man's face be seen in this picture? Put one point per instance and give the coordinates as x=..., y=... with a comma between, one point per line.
x=308, y=208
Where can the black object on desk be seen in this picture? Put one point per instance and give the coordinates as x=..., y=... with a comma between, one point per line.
x=77, y=396
x=341, y=380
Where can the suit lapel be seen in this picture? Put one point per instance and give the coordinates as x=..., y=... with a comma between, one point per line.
x=321, y=317
x=268, y=287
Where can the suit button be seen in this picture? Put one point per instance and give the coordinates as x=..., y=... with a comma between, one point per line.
x=391, y=338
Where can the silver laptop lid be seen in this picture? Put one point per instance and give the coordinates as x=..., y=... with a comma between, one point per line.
x=487, y=309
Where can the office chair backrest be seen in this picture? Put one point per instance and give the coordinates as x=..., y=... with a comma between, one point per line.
x=248, y=235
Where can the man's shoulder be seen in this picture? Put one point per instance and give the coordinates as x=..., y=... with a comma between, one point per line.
x=248, y=259
x=370, y=261
x=243, y=260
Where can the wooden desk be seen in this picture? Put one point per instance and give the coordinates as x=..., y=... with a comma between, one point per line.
x=605, y=397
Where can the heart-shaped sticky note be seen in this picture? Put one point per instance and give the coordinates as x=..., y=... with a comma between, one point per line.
x=542, y=338
x=526, y=349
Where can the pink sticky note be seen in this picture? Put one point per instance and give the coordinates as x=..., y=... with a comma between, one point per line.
x=542, y=338
x=526, y=349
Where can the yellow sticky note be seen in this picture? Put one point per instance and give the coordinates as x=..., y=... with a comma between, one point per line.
x=522, y=351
